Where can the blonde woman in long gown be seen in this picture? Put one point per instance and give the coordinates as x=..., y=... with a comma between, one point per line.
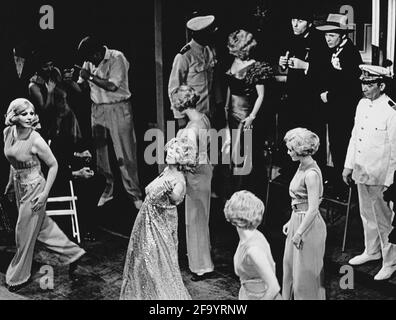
x=151, y=269
x=306, y=229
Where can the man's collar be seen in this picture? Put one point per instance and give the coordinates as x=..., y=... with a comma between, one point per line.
x=195, y=44
x=383, y=96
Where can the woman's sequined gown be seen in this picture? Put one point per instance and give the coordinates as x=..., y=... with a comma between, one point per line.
x=151, y=269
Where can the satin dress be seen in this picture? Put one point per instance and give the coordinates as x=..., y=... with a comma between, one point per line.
x=252, y=286
x=303, y=273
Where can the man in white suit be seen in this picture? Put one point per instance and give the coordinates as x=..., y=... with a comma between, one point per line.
x=371, y=163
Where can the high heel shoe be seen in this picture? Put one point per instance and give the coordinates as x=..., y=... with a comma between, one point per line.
x=19, y=286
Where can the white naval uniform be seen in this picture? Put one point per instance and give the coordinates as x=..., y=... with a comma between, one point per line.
x=372, y=157
x=194, y=66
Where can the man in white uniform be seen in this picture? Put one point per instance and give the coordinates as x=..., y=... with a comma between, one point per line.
x=194, y=66
x=371, y=163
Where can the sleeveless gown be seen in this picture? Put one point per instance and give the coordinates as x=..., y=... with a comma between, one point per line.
x=303, y=269
x=151, y=270
x=252, y=286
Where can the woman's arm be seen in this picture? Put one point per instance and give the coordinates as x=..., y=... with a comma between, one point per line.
x=43, y=151
x=35, y=92
x=177, y=192
x=312, y=182
x=257, y=105
x=227, y=105
x=9, y=189
x=189, y=133
x=263, y=267
x=227, y=143
x=75, y=86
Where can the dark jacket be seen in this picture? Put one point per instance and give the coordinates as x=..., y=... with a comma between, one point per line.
x=343, y=86
x=303, y=88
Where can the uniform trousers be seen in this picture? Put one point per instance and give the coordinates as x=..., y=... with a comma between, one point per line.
x=377, y=223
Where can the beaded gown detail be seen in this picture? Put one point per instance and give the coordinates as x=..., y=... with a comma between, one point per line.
x=151, y=269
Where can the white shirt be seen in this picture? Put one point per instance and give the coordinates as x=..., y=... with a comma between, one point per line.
x=372, y=148
x=114, y=68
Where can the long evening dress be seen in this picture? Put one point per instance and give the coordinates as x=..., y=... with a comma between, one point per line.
x=151, y=269
x=242, y=86
x=303, y=268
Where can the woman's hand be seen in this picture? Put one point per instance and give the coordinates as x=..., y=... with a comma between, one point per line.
x=347, y=176
x=247, y=123
x=50, y=86
x=285, y=228
x=39, y=201
x=297, y=241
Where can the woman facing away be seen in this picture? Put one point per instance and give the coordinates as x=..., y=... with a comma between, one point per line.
x=151, y=269
x=24, y=148
x=253, y=261
x=306, y=229
x=245, y=95
x=184, y=100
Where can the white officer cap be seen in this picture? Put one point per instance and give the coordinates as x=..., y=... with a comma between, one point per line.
x=372, y=73
x=200, y=23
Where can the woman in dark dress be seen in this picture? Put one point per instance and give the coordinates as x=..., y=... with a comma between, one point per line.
x=246, y=86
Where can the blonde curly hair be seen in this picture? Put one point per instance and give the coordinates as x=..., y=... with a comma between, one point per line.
x=184, y=97
x=244, y=210
x=15, y=108
x=186, y=153
x=302, y=141
x=241, y=43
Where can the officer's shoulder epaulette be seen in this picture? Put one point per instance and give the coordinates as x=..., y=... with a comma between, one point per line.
x=186, y=48
x=392, y=104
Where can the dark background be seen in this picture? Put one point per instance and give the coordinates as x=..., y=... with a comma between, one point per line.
x=129, y=27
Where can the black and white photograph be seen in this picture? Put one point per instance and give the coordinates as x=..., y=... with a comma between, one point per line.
x=196, y=150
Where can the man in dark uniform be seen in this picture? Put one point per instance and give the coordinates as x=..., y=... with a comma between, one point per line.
x=303, y=59
x=194, y=66
x=341, y=91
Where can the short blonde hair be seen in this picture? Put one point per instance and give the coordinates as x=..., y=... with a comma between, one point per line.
x=186, y=153
x=184, y=97
x=302, y=141
x=244, y=210
x=15, y=108
x=241, y=43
